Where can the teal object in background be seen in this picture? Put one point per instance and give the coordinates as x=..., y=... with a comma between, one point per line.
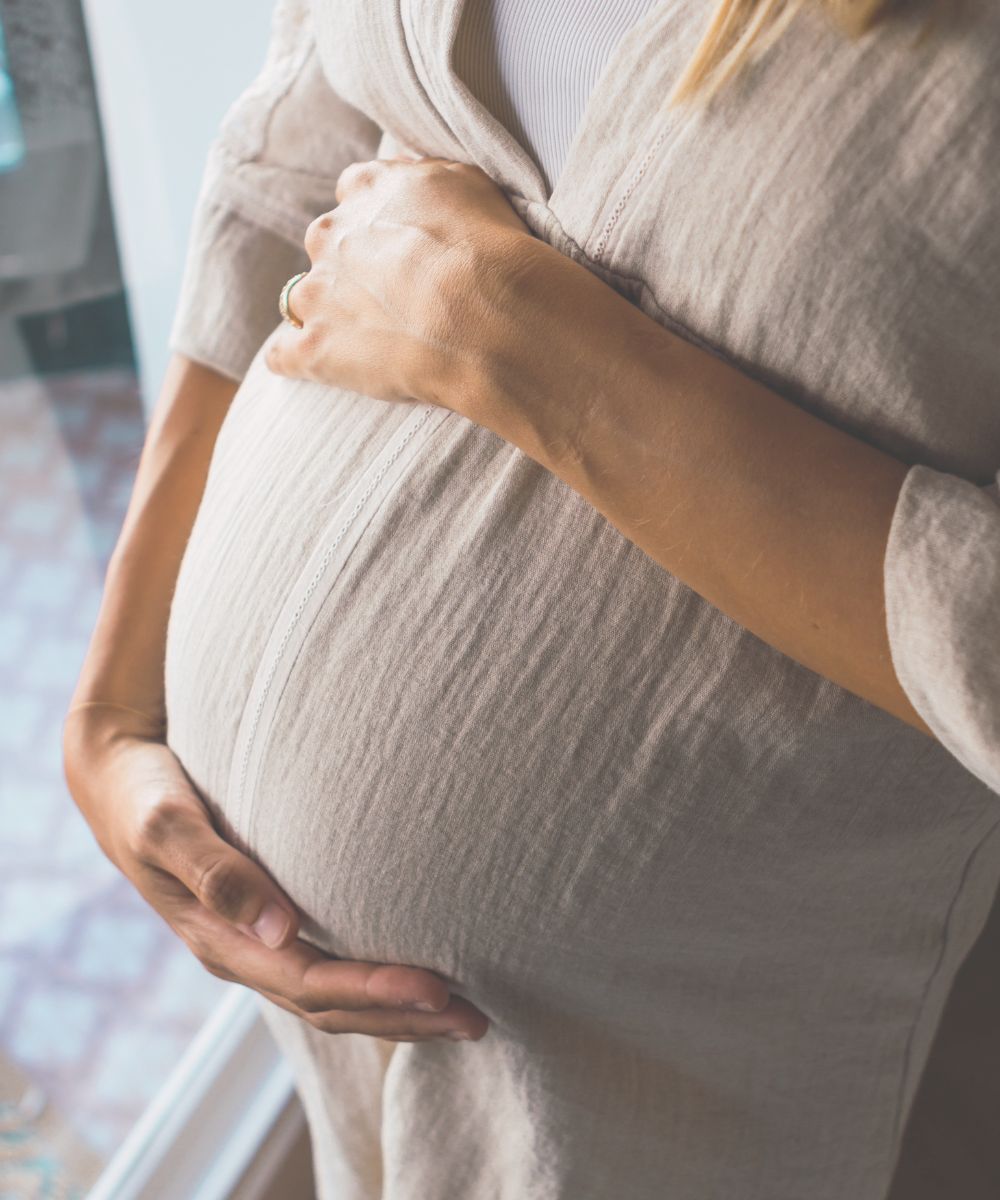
x=11, y=134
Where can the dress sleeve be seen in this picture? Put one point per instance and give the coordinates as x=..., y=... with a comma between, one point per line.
x=942, y=587
x=272, y=167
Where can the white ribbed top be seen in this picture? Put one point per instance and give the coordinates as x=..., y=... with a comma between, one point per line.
x=533, y=65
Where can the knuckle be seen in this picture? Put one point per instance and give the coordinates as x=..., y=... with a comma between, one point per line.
x=437, y=172
x=155, y=825
x=311, y=341
x=220, y=887
x=327, y=1022
x=316, y=233
x=309, y=1001
x=357, y=174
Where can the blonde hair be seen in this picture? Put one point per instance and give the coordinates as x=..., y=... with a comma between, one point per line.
x=741, y=30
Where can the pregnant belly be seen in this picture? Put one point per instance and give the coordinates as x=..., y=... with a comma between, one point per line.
x=466, y=724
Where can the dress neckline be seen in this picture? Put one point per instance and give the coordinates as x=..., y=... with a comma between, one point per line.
x=473, y=123
x=533, y=68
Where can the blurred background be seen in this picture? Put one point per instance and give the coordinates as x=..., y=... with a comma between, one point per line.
x=114, y=1041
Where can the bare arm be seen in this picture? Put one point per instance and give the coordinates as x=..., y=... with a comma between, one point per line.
x=880, y=575
x=124, y=662
x=776, y=517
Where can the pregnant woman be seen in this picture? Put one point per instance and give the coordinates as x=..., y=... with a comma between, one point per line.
x=581, y=615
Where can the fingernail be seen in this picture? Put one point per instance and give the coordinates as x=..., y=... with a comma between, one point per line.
x=457, y=1035
x=270, y=926
x=424, y=1006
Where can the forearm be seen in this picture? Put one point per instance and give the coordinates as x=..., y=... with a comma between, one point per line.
x=776, y=517
x=124, y=661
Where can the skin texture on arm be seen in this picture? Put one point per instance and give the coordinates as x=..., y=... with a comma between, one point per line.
x=426, y=285
x=124, y=662
x=773, y=515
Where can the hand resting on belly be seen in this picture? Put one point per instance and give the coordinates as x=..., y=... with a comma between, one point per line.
x=155, y=829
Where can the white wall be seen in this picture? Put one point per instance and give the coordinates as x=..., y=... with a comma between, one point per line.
x=166, y=73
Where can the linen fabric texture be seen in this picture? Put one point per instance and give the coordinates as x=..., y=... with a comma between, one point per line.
x=712, y=903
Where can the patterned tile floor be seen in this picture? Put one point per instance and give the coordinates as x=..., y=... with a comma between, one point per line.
x=98, y=997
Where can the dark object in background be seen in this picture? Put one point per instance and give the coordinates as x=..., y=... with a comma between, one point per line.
x=94, y=333
x=61, y=301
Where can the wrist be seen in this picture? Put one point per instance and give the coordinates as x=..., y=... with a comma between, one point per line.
x=554, y=357
x=511, y=345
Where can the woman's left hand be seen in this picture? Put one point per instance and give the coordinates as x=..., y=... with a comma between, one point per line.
x=403, y=271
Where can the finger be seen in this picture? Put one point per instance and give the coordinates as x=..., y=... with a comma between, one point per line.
x=304, y=975
x=317, y=231
x=358, y=176
x=459, y=1019
x=177, y=837
x=393, y=1026
x=280, y=353
x=358, y=1023
x=289, y=351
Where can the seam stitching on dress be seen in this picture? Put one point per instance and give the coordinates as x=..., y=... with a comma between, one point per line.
x=623, y=200
x=945, y=941
x=607, y=273
x=304, y=600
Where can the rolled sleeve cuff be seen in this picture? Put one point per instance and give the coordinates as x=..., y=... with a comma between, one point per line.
x=228, y=303
x=942, y=591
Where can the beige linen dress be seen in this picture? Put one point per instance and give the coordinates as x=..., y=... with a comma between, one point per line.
x=712, y=903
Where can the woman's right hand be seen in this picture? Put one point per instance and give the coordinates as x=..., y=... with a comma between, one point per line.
x=150, y=822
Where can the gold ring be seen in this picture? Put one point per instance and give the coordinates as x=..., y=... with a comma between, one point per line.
x=284, y=307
